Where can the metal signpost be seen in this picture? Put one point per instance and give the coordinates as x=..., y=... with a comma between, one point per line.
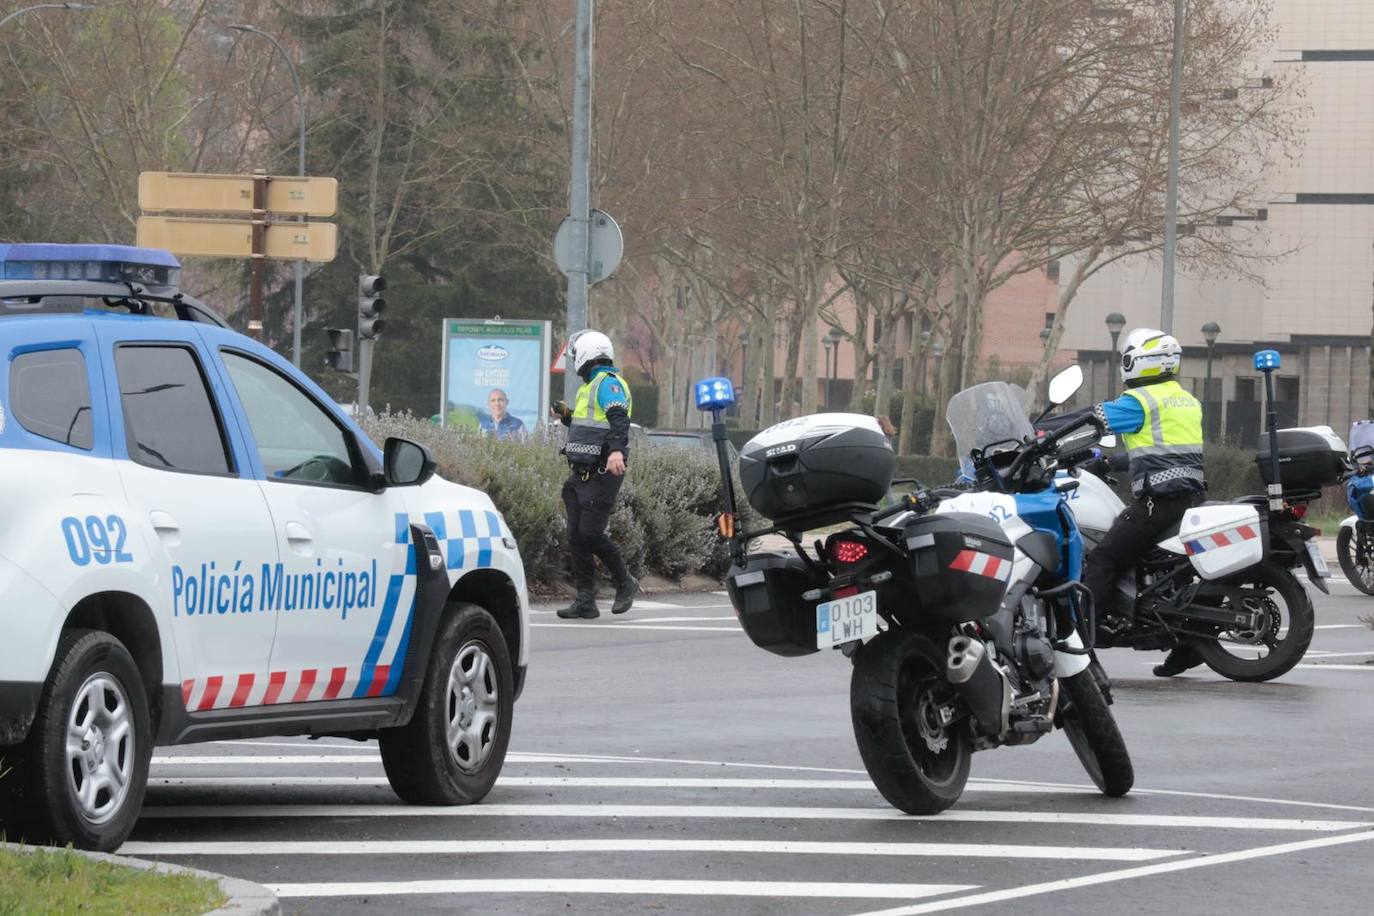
x=262, y=198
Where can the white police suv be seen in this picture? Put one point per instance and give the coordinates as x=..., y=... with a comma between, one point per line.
x=196, y=543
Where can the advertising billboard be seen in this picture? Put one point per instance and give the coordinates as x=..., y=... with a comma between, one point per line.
x=495, y=376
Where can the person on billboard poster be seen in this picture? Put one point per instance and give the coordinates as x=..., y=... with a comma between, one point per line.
x=497, y=421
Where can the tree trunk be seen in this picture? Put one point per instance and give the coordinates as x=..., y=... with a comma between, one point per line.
x=887, y=366
x=911, y=383
x=767, y=398
x=861, y=351
x=810, y=390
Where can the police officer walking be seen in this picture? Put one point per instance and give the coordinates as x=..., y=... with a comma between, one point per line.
x=1161, y=426
x=598, y=445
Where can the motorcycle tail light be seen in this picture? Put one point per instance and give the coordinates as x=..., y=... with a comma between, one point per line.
x=848, y=553
x=1299, y=511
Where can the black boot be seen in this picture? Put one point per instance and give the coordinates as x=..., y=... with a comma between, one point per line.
x=583, y=606
x=1184, y=656
x=625, y=591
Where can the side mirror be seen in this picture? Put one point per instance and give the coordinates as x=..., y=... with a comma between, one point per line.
x=1064, y=384
x=406, y=463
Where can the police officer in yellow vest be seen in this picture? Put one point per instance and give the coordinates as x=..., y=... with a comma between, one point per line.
x=597, y=448
x=1161, y=426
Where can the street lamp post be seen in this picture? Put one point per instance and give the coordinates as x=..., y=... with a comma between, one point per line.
x=1210, y=331
x=297, y=310
x=832, y=344
x=1166, y=294
x=829, y=343
x=1045, y=333
x=1116, y=322
x=70, y=7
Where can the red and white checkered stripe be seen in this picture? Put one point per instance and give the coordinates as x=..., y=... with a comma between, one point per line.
x=982, y=564
x=1236, y=535
x=234, y=691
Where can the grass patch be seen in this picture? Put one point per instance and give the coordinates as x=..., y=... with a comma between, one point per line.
x=64, y=882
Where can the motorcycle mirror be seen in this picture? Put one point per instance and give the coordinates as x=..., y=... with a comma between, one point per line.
x=1065, y=384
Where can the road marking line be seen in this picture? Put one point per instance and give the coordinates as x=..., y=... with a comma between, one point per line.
x=625, y=628
x=1323, y=654
x=367, y=756
x=1337, y=667
x=639, y=620
x=1340, y=626
x=766, y=847
x=751, y=812
x=1051, y=887
x=604, y=782
x=598, y=886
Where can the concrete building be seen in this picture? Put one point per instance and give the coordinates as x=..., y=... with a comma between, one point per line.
x=1313, y=304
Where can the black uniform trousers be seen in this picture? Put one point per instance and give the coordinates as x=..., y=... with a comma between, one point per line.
x=589, y=505
x=1136, y=532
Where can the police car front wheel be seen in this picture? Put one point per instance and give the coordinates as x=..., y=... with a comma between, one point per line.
x=84, y=768
x=455, y=744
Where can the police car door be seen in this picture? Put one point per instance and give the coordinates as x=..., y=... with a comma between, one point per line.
x=204, y=520
x=340, y=593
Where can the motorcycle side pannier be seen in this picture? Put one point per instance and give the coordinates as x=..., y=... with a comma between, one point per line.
x=1309, y=458
x=804, y=465
x=767, y=595
x=1222, y=539
x=961, y=564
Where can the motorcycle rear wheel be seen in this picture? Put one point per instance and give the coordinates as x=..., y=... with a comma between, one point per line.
x=896, y=691
x=1091, y=729
x=1287, y=640
x=1360, y=574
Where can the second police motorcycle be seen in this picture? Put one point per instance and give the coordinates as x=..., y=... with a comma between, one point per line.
x=961, y=611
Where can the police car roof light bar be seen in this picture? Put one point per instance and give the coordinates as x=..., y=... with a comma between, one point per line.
x=1268, y=361
x=152, y=267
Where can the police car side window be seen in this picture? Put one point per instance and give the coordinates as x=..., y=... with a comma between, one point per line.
x=297, y=441
x=50, y=396
x=169, y=418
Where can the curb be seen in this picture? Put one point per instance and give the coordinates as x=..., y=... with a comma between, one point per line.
x=245, y=897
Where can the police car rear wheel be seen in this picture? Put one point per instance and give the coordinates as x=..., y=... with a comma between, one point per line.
x=85, y=765
x=455, y=744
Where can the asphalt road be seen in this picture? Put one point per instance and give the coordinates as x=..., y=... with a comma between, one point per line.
x=662, y=763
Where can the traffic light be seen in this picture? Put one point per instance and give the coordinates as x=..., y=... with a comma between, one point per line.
x=339, y=356
x=370, y=307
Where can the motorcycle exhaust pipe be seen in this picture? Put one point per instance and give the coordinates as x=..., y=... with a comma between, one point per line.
x=981, y=686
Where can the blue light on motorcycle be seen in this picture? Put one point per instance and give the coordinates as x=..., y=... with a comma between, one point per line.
x=715, y=394
x=1266, y=360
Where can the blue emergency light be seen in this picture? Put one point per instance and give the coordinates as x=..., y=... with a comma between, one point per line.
x=1266, y=360
x=99, y=263
x=715, y=394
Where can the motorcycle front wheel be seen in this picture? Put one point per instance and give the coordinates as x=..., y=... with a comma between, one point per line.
x=1279, y=642
x=896, y=697
x=1091, y=729
x=1355, y=548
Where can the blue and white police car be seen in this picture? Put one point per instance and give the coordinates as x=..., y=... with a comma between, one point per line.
x=197, y=544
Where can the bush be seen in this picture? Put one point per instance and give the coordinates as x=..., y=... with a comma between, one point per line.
x=662, y=522
x=930, y=470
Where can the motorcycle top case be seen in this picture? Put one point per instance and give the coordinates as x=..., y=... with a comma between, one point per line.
x=961, y=564
x=1309, y=458
x=806, y=464
x=767, y=595
x=1222, y=539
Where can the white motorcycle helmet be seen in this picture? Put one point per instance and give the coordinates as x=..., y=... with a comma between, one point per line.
x=1148, y=354
x=589, y=345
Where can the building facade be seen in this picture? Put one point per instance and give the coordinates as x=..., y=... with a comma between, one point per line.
x=1313, y=302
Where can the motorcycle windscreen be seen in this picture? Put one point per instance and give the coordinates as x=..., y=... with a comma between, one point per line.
x=990, y=414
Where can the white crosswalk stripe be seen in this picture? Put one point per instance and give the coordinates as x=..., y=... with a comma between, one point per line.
x=578, y=834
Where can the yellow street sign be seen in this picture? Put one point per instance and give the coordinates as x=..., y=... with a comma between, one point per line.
x=233, y=238
x=190, y=192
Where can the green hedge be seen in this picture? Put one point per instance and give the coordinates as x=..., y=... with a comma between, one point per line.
x=663, y=522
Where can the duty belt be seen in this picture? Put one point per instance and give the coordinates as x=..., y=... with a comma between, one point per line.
x=1159, y=477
